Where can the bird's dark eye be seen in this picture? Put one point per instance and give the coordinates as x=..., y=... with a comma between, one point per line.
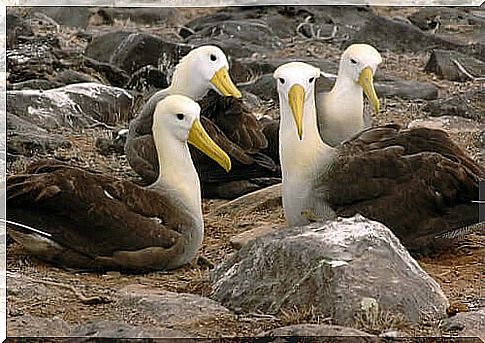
x=282, y=80
x=311, y=79
x=213, y=57
x=353, y=61
x=180, y=116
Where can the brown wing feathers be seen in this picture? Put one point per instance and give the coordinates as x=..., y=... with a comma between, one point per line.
x=87, y=211
x=233, y=118
x=227, y=121
x=416, y=181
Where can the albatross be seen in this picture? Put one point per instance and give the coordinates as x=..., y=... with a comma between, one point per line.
x=201, y=70
x=341, y=111
x=82, y=219
x=415, y=181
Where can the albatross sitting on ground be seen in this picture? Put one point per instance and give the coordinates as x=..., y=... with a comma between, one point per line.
x=341, y=111
x=415, y=181
x=81, y=219
x=201, y=70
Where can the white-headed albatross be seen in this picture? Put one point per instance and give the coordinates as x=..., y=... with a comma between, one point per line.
x=341, y=111
x=81, y=219
x=202, y=69
x=415, y=181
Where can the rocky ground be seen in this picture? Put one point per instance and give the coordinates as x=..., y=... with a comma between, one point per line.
x=432, y=74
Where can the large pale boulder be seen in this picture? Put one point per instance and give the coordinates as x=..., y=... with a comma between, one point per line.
x=349, y=269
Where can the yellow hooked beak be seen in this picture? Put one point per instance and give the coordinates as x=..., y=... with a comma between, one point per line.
x=222, y=81
x=296, y=99
x=199, y=138
x=366, y=81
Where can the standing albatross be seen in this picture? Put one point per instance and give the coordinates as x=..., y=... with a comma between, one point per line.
x=415, y=181
x=81, y=219
x=341, y=111
x=201, y=70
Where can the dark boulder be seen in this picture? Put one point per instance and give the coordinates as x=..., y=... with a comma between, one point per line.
x=448, y=64
x=131, y=51
x=25, y=138
x=32, y=59
x=16, y=26
x=146, y=79
x=73, y=16
x=398, y=36
x=113, y=145
x=141, y=15
x=468, y=105
x=407, y=89
x=237, y=38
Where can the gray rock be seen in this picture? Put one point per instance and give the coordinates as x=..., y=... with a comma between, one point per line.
x=114, y=145
x=67, y=77
x=456, y=24
x=284, y=26
x=351, y=16
x=339, y=267
x=309, y=330
x=229, y=190
x=131, y=51
x=15, y=124
x=467, y=105
x=269, y=197
x=407, y=89
x=442, y=63
x=168, y=308
x=73, y=16
x=16, y=26
x=244, y=238
x=30, y=143
x=147, y=79
x=237, y=38
x=451, y=124
x=264, y=87
x=466, y=324
x=23, y=287
x=118, y=329
x=398, y=36
x=402, y=36
x=115, y=75
x=30, y=326
x=144, y=15
x=394, y=334
x=32, y=59
x=284, y=20
x=63, y=78
x=41, y=84
x=73, y=106
x=424, y=17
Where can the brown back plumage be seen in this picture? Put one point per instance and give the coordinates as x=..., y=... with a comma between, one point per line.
x=227, y=121
x=416, y=181
x=95, y=215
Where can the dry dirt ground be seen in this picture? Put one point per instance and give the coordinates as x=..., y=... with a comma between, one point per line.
x=460, y=271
